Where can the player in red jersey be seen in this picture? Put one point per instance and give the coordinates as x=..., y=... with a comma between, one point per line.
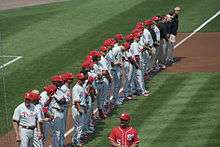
x=124, y=135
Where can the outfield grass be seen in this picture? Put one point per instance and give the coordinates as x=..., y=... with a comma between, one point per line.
x=183, y=110
x=52, y=38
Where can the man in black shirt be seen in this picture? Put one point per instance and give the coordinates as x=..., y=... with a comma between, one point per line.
x=165, y=29
x=173, y=29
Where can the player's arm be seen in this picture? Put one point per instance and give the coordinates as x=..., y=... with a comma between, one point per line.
x=16, y=118
x=112, y=139
x=112, y=142
x=16, y=128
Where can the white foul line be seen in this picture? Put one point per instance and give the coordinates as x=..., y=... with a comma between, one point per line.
x=199, y=28
x=178, y=44
x=10, y=62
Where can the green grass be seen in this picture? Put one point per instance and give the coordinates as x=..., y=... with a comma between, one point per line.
x=183, y=110
x=213, y=26
x=52, y=38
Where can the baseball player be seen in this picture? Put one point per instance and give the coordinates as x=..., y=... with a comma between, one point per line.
x=101, y=86
x=57, y=108
x=137, y=86
x=78, y=109
x=127, y=63
x=115, y=79
x=116, y=72
x=149, y=37
x=45, y=99
x=38, y=136
x=108, y=78
x=155, y=20
x=65, y=88
x=124, y=135
x=25, y=120
x=88, y=85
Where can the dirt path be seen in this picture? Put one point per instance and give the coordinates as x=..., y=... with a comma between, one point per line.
x=11, y=4
x=201, y=53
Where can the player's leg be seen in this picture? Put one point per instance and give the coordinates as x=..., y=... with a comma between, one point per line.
x=25, y=135
x=36, y=141
x=77, y=130
x=128, y=75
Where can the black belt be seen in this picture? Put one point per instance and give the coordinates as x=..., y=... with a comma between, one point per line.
x=28, y=127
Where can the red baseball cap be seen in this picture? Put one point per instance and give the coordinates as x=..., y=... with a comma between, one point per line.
x=137, y=35
x=126, y=45
x=34, y=96
x=103, y=48
x=148, y=22
x=67, y=76
x=57, y=78
x=119, y=37
x=27, y=96
x=93, y=53
x=155, y=18
x=125, y=116
x=107, y=42
x=87, y=64
x=129, y=37
x=80, y=76
x=50, y=89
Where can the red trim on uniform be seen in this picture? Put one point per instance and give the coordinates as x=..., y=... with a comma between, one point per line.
x=122, y=134
x=126, y=135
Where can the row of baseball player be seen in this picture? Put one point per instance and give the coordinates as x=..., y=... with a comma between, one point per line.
x=109, y=76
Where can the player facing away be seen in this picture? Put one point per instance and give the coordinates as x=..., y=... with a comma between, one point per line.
x=124, y=135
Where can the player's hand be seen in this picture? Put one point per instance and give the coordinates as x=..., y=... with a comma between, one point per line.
x=18, y=138
x=39, y=135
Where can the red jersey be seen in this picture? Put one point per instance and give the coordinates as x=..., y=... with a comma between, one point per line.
x=124, y=136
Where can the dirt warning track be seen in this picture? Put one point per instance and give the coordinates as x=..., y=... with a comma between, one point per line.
x=201, y=53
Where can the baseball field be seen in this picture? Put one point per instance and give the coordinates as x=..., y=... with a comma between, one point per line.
x=40, y=41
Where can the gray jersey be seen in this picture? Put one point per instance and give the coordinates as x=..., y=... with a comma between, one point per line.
x=79, y=95
x=26, y=116
x=66, y=90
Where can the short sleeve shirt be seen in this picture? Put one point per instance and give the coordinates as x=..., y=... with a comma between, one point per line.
x=124, y=137
x=79, y=94
x=26, y=116
x=67, y=92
